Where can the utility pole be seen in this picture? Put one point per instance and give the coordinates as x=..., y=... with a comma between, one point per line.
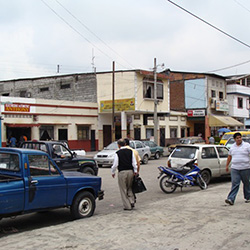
x=155, y=104
x=113, y=103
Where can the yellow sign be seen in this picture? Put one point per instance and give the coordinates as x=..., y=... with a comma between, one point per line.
x=120, y=105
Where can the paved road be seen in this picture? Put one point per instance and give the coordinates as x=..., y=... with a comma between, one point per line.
x=192, y=219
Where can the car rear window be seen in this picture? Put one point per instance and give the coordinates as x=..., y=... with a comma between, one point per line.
x=184, y=152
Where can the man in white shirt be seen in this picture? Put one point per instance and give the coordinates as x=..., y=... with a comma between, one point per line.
x=240, y=169
x=126, y=163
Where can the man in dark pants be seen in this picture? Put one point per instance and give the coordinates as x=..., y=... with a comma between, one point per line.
x=126, y=163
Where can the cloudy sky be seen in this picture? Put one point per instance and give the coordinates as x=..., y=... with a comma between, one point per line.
x=38, y=35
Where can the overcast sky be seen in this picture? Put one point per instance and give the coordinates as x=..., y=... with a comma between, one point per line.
x=38, y=35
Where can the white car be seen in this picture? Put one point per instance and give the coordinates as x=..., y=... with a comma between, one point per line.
x=211, y=159
x=107, y=155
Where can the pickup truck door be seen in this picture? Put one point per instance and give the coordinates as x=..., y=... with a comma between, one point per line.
x=64, y=158
x=45, y=187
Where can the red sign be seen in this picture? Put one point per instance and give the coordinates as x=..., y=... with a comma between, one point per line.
x=16, y=107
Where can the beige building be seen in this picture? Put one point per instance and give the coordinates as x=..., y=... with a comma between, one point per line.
x=50, y=119
x=134, y=107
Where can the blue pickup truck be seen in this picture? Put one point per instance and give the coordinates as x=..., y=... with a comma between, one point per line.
x=30, y=181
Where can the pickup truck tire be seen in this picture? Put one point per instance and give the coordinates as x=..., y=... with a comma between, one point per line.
x=83, y=205
x=88, y=170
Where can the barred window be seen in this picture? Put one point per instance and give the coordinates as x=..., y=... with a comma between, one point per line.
x=83, y=133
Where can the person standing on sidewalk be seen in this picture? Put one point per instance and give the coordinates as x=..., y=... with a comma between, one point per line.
x=127, y=168
x=240, y=169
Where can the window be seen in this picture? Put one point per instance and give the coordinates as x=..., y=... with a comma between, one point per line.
x=208, y=153
x=44, y=89
x=6, y=94
x=173, y=132
x=148, y=89
x=40, y=165
x=138, y=144
x=83, y=133
x=149, y=133
x=23, y=93
x=240, y=102
x=221, y=95
x=213, y=93
x=223, y=152
x=9, y=162
x=65, y=85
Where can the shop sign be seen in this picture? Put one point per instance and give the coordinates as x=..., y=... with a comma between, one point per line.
x=196, y=113
x=10, y=107
x=120, y=105
x=222, y=106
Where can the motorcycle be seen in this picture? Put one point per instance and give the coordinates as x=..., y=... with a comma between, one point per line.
x=186, y=175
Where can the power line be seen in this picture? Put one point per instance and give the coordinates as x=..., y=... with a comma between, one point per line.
x=244, y=7
x=229, y=67
x=78, y=32
x=86, y=27
x=211, y=25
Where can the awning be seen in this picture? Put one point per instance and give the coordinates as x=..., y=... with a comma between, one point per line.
x=220, y=121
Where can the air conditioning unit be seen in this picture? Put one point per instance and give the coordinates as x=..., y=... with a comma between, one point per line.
x=213, y=103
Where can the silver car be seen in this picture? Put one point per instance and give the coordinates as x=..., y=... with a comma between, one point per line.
x=211, y=159
x=107, y=155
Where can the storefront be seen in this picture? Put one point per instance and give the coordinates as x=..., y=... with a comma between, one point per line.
x=40, y=119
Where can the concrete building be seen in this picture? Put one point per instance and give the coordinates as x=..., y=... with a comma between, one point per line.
x=43, y=119
x=90, y=96
x=204, y=98
x=238, y=94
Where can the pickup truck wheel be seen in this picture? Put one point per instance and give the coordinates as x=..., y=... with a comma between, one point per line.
x=145, y=159
x=206, y=176
x=88, y=170
x=83, y=205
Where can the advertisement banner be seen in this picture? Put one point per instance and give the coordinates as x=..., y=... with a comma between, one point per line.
x=120, y=105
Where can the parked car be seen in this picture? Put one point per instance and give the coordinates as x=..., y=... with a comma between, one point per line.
x=31, y=181
x=186, y=140
x=229, y=135
x=107, y=155
x=156, y=151
x=231, y=141
x=211, y=159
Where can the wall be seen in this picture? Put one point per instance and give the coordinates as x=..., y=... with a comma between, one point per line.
x=81, y=87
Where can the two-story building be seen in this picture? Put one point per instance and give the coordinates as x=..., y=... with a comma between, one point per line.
x=238, y=95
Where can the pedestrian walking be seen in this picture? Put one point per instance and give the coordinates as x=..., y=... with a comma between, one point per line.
x=240, y=169
x=137, y=156
x=126, y=163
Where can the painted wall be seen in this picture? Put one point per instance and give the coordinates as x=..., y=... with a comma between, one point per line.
x=195, y=94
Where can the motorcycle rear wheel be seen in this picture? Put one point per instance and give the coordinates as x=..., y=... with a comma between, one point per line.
x=166, y=186
x=200, y=181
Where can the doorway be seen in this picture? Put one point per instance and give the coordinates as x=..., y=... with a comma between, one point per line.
x=63, y=134
x=106, y=135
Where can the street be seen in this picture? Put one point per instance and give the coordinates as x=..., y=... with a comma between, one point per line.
x=192, y=219
x=111, y=203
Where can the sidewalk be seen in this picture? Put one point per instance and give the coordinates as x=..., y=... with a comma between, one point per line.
x=194, y=220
